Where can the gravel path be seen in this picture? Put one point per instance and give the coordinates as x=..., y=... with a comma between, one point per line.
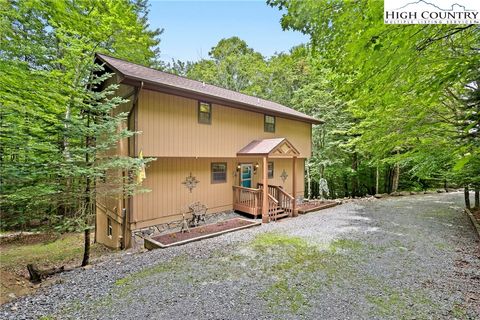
x=414, y=257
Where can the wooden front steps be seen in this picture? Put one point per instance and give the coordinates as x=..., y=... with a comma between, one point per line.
x=277, y=213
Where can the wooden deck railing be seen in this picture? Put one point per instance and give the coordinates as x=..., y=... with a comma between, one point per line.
x=285, y=200
x=250, y=200
x=247, y=200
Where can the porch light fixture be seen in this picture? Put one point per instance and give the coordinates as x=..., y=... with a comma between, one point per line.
x=255, y=168
x=237, y=170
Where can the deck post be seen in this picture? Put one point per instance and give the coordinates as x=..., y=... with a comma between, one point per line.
x=294, y=186
x=265, y=217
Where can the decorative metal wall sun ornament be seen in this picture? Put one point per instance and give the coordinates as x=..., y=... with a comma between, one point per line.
x=284, y=175
x=190, y=182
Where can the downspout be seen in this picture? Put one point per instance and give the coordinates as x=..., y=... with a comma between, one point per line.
x=132, y=112
x=123, y=242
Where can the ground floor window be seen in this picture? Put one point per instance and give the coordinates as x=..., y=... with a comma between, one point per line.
x=109, y=227
x=270, y=170
x=219, y=172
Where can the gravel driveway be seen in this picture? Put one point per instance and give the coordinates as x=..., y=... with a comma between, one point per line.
x=414, y=257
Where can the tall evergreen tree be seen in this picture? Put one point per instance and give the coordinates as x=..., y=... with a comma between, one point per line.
x=57, y=123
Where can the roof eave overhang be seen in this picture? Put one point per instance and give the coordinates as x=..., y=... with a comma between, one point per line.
x=252, y=154
x=266, y=155
x=137, y=82
x=121, y=76
x=150, y=85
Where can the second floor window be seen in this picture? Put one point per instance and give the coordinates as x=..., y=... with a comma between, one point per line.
x=269, y=124
x=204, y=112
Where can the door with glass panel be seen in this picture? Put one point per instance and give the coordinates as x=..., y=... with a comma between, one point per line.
x=246, y=175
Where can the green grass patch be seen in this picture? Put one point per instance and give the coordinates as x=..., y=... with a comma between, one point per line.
x=300, y=268
x=458, y=311
x=401, y=303
x=282, y=292
x=173, y=265
x=61, y=250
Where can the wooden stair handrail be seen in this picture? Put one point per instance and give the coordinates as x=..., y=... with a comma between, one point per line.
x=286, y=194
x=246, y=189
x=272, y=199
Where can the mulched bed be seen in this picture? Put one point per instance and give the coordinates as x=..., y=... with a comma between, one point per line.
x=203, y=231
x=476, y=214
x=315, y=205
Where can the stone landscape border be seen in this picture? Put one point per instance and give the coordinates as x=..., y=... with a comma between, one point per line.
x=475, y=223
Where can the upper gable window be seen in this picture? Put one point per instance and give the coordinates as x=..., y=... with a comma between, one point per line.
x=204, y=112
x=269, y=124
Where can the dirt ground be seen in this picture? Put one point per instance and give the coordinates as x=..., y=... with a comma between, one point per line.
x=476, y=214
x=45, y=250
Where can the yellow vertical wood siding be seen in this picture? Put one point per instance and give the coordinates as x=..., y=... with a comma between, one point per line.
x=168, y=197
x=169, y=128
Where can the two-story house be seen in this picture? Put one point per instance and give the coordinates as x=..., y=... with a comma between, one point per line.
x=211, y=145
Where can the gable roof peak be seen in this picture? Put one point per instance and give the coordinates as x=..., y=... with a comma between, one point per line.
x=163, y=81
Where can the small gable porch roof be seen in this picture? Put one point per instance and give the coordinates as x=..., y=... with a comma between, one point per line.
x=276, y=147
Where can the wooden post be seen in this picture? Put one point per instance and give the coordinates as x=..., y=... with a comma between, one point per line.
x=265, y=217
x=294, y=186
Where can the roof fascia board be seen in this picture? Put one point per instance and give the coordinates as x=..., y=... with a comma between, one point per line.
x=195, y=95
x=120, y=75
x=213, y=99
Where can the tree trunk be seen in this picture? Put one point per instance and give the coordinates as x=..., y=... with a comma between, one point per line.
x=467, y=197
x=37, y=275
x=355, y=177
x=88, y=203
x=477, y=197
x=86, y=250
x=387, y=183
x=309, y=183
x=396, y=177
x=376, y=180
x=445, y=185
x=345, y=184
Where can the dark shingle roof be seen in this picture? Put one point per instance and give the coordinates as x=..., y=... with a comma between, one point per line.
x=132, y=71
